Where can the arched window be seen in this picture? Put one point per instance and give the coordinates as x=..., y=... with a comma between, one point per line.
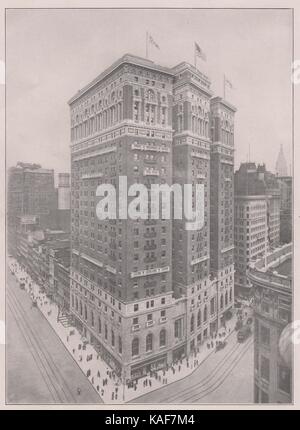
x=205, y=314
x=135, y=347
x=149, y=342
x=162, y=337
x=199, y=319
x=222, y=302
x=226, y=298
x=192, y=323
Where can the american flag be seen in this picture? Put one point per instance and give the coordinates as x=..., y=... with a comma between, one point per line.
x=151, y=40
x=199, y=52
x=228, y=82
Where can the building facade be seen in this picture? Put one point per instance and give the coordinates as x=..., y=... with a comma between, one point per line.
x=286, y=208
x=271, y=278
x=142, y=289
x=31, y=191
x=257, y=219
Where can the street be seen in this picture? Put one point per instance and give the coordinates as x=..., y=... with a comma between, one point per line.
x=225, y=376
x=39, y=369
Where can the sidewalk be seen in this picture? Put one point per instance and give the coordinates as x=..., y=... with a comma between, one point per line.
x=100, y=375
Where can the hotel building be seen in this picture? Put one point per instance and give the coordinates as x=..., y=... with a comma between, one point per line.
x=142, y=290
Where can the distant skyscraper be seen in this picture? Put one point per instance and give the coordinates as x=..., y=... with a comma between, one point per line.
x=281, y=165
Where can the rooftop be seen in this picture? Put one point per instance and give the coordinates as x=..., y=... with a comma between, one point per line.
x=284, y=268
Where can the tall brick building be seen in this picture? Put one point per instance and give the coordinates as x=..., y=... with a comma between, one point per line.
x=142, y=290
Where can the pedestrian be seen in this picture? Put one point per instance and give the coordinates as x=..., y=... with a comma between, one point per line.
x=78, y=391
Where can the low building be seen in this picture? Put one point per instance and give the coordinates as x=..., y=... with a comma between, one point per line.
x=271, y=278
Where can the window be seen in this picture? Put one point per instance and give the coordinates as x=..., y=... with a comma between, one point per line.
x=163, y=301
x=284, y=379
x=205, y=314
x=135, y=321
x=149, y=317
x=120, y=344
x=199, y=319
x=135, y=307
x=162, y=337
x=264, y=335
x=265, y=368
x=192, y=323
x=178, y=329
x=99, y=325
x=112, y=338
x=149, y=342
x=135, y=347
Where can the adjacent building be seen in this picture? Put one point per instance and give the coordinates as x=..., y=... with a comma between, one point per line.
x=143, y=291
x=31, y=191
x=271, y=278
x=257, y=219
x=286, y=208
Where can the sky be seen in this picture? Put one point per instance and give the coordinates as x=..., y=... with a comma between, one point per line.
x=51, y=54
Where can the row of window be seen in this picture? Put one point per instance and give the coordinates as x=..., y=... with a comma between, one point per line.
x=135, y=346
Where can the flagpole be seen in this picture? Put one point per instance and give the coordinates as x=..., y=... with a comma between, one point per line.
x=147, y=44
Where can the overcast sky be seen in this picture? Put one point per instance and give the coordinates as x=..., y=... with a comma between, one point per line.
x=50, y=54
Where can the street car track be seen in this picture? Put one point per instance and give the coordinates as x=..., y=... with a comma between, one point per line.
x=205, y=379
x=51, y=374
x=220, y=379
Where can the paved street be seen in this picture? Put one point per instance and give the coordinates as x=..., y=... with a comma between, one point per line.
x=39, y=369
x=225, y=376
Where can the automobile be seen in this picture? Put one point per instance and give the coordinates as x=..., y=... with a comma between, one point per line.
x=220, y=345
x=243, y=333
